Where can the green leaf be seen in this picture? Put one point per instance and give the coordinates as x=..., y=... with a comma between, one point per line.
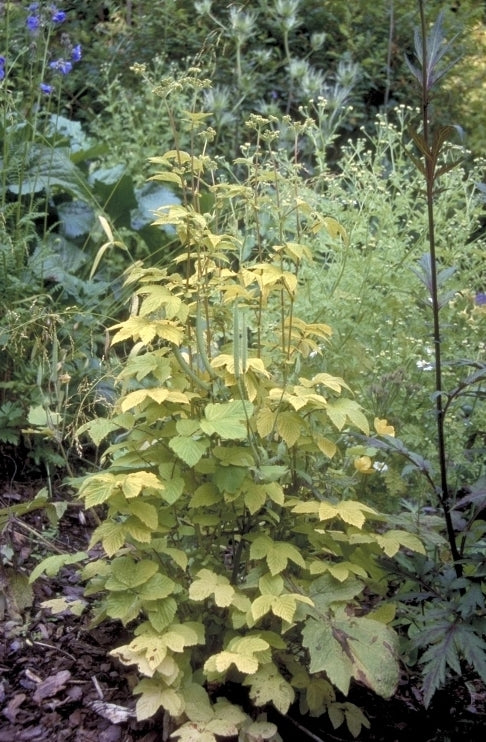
x=145, y=512
x=157, y=587
x=343, y=410
x=154, y=696
x=209, y=583
x=127, y=573
x=52, y=564
x=188, y=449
x=327, y=654
x=135, y=482
x=98, y=429
x=98, y=488
x=124, y=606
x=227, y=419
x=268, y=686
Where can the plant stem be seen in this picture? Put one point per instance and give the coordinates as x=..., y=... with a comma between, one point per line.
x=430, y=169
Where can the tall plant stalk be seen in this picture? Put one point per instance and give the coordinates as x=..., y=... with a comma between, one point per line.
x=430, y=49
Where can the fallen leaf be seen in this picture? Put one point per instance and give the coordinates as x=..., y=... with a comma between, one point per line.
x=112, y=712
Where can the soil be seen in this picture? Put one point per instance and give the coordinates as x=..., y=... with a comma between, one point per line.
x=58, y=683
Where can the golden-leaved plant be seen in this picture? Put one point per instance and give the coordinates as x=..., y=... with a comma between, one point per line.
x=231, y=550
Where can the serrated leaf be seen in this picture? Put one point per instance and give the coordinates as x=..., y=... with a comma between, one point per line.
x=124, y=606
x=255, y=498
x=162, y=614
x=223, y=661
x=153, y=697
x=157, y=587
x=145, y=512
x=227, y=419
x=326, y=654
x=133, y=484
x=127, y=573
x=188, y=449
x=98, y=488
x=112, y=536
x=289, y=425
x=52, y=564
x=98, y=429
x=284, y=606
x=268, y=686
x=391, y=541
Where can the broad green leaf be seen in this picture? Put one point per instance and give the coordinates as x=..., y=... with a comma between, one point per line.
x=255, y=498
x=268, y=686
x=127, y=573
x=135, y=399
x=342, y=410
x=154, y=696
x=188, y=449
x=289, y=426
x=271, y=585
x=98, y=488
x=162, y=614
x=173, y=489
x=98, y=429
x=137, y=531
x=205, y=496
x=197, y=705
x=261, y=606
x=391, y=541
x=145, y=512
x=284, y=606
x=135, y=482
x=52, y=564
x=374, y=651
x=326, y=653
x=209, y=583
x=157, y=587
x=222, y=661
x=124, y=606
x=112, y=536
x=227, y=419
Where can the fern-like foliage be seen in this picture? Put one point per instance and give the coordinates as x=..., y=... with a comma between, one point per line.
x=452, y=642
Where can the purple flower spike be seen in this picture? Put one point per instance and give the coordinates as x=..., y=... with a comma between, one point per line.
x=480, y=298
x=76, y=53
x=59, y=16
x=47, y=89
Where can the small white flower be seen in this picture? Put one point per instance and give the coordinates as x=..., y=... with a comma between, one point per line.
x=425, y=365
x=380, y=466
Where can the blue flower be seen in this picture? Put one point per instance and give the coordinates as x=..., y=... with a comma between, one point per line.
x=2, y=67
x=76, y=53
x=480, y=298
x=33, y=23
x=47, y=89
x=58, y=16
x=61, y=65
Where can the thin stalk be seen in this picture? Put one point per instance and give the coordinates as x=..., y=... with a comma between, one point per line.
x=430, y=168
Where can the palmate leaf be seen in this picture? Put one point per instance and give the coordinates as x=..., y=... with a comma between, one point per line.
x=268, y=686
x=153, y=696
x=227, y=420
